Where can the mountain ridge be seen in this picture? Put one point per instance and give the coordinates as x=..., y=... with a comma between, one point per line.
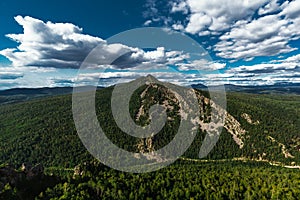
x=277, y=88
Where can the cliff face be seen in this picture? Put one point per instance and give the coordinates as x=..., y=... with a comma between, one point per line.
x=167, y=98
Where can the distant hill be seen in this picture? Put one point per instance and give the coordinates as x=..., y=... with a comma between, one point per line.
x=25, y=94
x=279, y=88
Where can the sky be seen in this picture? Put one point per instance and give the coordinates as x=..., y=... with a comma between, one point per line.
x=243, y=42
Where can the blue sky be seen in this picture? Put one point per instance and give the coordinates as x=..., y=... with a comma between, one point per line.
x=42, y=44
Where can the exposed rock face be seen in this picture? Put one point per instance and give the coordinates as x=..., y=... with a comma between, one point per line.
x=26, y=167
x=284, y=150
x=230, y=124
x=145, y=145
x=249, y=120
x=169, y=101
x=78, y=171
x=235, y=129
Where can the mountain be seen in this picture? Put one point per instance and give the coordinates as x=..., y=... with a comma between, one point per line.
x=259, y=141
x=257, y=127
x=278, y=88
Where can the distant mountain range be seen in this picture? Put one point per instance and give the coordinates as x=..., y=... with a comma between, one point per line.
x=24, y=94
x=278, y=88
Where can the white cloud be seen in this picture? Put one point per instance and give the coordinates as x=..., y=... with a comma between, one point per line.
x=49, y=44
x=295, y=58
x=271, y=7
x=268, y=68
x=147, y=23
x=30, y=77
x=111, y=78
x=62, y=45
x=178, y=27
x=266, y=36
x=198, y=22
x=222, y=13
x=287, y=70
x=202, y=65
x=46, y=48
x=291, y=9
x=153, y=12
x=243, y=34
x=179, y=7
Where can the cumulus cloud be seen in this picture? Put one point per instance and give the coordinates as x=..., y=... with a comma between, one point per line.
x=291, y=9
x=49, y=48
x=178, y=27
x=271, y=7
x=179, y=7
x=198, y=22
x=219, y=15
x=287, y=70
x=269, y=68
x=63, y=45
x=265, y=36
x=246, y=29
x=110, y=78
x=292, y=59
x=49, y=44
x=202, y=65
x=268, y=35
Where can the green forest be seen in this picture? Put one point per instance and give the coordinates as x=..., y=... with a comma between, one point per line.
x=182, y=180
x=42, y=132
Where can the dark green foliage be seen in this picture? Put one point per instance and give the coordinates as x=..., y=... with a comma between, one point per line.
x=40, y=132
x=182, y=180
x=43, y=131
x=278, y=116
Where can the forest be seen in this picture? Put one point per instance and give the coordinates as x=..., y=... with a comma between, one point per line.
x=182, y=180
x=42, y=131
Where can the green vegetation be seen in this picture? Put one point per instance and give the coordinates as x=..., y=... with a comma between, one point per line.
x=278, y=117
x=182, y=180
x=43, y=131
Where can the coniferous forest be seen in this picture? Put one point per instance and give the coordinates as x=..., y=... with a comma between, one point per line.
x=43, y=158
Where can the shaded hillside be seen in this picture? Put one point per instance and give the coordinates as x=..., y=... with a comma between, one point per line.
x=24, y=94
